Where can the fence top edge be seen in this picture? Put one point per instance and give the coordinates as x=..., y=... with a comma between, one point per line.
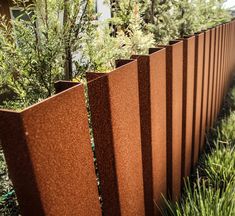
x=121, y=63
x=199, y=33
x=139, y=56
x=94, y=78
x=10, y=111
x=53, y=97
x=187, y=38
x=172, y=44
x=127, y=63
x=65, y=81
x=43, y=101
x=153, y=51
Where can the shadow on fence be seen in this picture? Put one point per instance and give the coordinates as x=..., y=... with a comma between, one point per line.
x=149, y=119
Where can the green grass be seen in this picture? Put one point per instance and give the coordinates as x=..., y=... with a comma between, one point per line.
x=204, y=200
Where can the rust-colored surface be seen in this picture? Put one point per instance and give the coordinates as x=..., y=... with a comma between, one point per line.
x=205, y=88
x=218, y=74
x=215, y=75
x=152, y=94
x=122, y=62
x=224, y=60
x=211, y=77
x=188, y=104
x=224, y=63
x=233, y=44
x=63, y=85
x=49, y=156
x=91, y=75
x=199, y=55
x=174, y=71
x=114, y=104
x=146, y=131
x=229, y=47
x=221, y=69
x=158, y=124
x=228, y=54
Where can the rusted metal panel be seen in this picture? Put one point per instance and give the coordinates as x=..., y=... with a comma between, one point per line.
x=145, y=125
x=63, y=85
x=215, y=68
x=91, y=75
x=205, y=88
x=152, y=96
x=233, y=44
x=49, y=156
x=221, y=69
x=211, y=77
x=174, y=77
x=222, y=63
x=188, y=103
x=218, y=74
x=158, y=124
x=226, y=56
x=232, y=52
x=114, y=105
x=199, y=46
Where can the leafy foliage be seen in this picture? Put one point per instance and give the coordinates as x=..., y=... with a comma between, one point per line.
x=101, y=49
x=39, y=50
x=30, y=55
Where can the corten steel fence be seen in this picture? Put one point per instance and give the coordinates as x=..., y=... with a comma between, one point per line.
x=149, y=119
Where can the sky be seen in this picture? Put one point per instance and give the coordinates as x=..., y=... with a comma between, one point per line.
x=229, y=3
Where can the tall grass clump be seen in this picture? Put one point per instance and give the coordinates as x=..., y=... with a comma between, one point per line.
x=203, y=200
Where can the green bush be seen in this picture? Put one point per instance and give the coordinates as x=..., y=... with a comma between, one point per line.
x=31, y=56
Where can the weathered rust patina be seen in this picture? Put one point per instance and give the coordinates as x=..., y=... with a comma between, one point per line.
x=49, y=156
x=188, y=103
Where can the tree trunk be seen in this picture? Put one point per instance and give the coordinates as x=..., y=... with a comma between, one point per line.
x=152, y=11
x=68, y=55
